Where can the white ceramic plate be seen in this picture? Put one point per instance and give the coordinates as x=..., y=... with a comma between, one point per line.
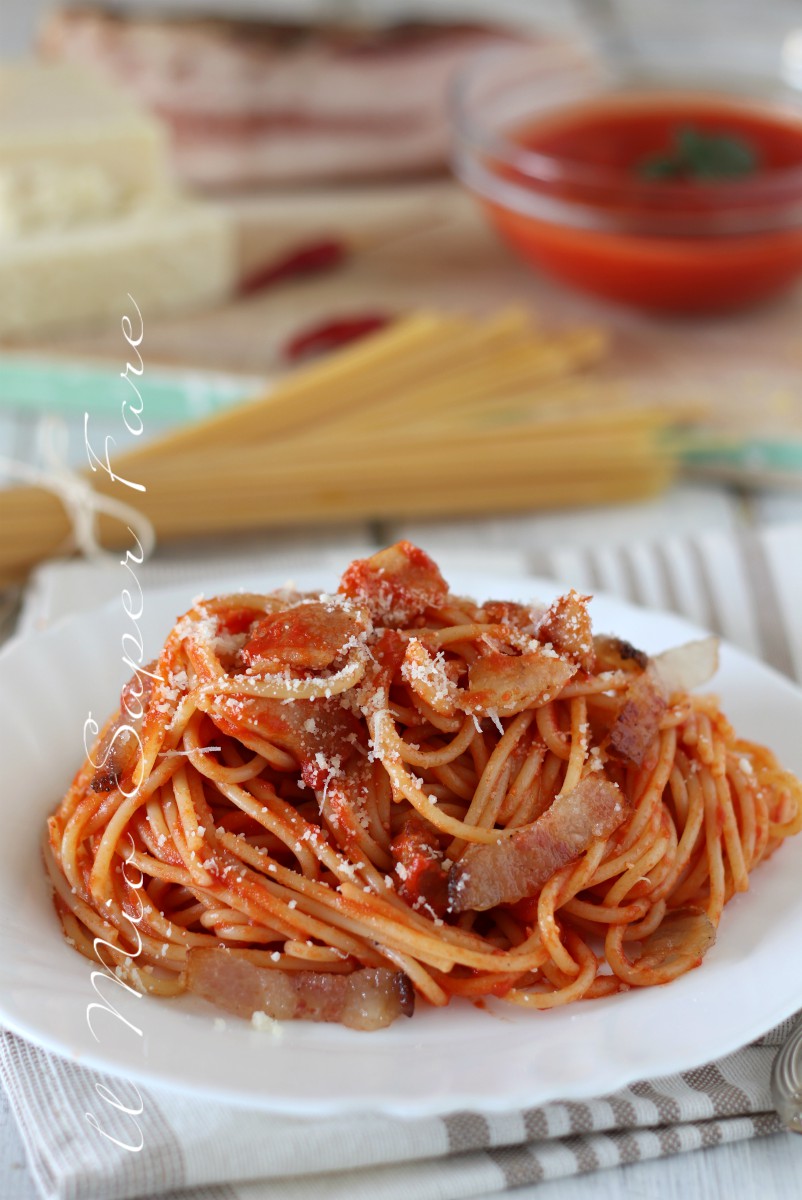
x=440, y=1060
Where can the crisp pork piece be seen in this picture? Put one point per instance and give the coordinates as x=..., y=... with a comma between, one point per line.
x=566, y=625
x=683, y=668
x=137, y=693
x=520, y=864
x=509, y=683
x=114, y=755
x=396, y=585
x=638, y=723
x=386, y=656
x=117, y=748
x=683, y=937
x=615, y=654
x=308, y=636
x=321, y=734
x=675, y=671
x=419, y=875
x=518, y=616
x=429, y=678
x=370, y=998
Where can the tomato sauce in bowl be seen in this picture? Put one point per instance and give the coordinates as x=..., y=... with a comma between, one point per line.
x=682, y=200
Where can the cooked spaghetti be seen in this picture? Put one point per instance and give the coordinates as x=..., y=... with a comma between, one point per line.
x=323, y=806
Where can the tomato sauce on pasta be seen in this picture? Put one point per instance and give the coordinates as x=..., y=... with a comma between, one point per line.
x=328, y=806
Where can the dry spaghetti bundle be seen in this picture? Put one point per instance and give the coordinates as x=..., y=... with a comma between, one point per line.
x=437, y=414
x=324, y=806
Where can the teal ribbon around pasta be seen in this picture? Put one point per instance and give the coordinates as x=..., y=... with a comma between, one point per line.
x=71, y=388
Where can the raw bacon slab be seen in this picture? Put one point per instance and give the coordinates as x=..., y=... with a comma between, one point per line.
x=253, y=102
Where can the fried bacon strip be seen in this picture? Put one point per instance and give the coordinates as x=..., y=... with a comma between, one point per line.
x=566, y=625
x=509, y=683
x=616, y=654
x=309, y=636
x=370, y=998
x=638, y=723
x=683, y=668
x=422, y=879
x=116, y=753
x=680, y=941
x=518, y=865
x=395, y=585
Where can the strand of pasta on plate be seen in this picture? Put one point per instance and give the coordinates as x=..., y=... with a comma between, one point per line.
x=343, y=802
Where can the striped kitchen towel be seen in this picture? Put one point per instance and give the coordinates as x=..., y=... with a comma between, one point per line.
x=222, y=1152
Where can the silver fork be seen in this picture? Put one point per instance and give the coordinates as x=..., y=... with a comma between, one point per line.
x=786, y=1080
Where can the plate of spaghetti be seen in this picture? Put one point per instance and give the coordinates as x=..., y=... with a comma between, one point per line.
x=396, y=845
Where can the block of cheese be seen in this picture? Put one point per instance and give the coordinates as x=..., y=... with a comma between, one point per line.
x=170, y=254
x=63, y=116
x=89, y=213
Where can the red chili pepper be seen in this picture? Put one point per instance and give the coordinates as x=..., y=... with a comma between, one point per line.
x=314, y=258
x=329, y=335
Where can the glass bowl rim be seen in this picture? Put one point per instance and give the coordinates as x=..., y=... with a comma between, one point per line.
x=535, y=167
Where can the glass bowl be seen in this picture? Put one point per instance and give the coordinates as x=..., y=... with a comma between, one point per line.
x=565, y=150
